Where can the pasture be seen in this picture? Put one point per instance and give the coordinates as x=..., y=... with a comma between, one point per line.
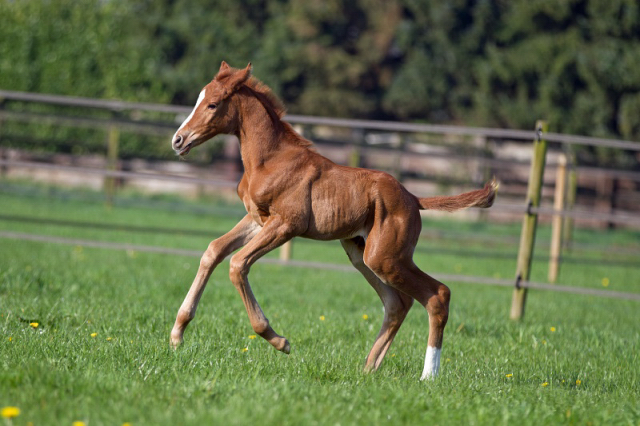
x=100, y=351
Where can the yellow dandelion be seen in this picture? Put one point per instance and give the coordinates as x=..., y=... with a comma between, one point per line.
x=94, y=334
x=10, y=412
x=10, y=338
x=392, y=355
x=321, y=317
x=78, y=423
x=545, y=384
x=34, y=324
x=109, y=339
x=245, y=349
x=508, y=375
x=365, y=317
x=605, y=282
x=578, y=382
x=253, y=336
x=553, y=329
x=126, y=424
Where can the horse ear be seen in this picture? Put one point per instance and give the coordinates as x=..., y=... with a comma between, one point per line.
x=224, y=70
x=237, y=79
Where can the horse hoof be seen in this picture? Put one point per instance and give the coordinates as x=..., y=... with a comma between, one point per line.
x=287, y=347
x=175, y=342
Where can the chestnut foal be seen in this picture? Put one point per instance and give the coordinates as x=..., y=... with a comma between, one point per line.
x=289, y=190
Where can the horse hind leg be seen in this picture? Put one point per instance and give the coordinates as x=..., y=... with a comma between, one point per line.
x=401, y=273
x=396, y=304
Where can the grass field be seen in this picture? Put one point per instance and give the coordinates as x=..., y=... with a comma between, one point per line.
x=100, y=351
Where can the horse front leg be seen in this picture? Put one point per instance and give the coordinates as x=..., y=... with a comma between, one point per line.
x=273, y=234
x=218, y=249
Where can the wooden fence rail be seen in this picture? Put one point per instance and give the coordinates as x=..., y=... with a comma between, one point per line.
x=628, y=219
x=386, y=126
x=541, y=137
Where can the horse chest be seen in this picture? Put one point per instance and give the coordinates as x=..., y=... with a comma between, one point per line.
x=257, y=214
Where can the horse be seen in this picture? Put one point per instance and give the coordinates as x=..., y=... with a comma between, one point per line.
x=290, y=190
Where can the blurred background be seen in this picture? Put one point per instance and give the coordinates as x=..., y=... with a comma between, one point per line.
x=490, y=63
x=476, y=75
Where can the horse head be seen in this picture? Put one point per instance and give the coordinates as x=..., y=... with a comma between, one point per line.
x=213, y=113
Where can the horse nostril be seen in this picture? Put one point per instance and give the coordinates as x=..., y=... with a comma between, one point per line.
x=177, y=143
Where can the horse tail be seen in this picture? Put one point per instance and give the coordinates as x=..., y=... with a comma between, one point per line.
x=482, y=198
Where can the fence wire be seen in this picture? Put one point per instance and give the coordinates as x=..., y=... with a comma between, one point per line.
x=319, y=265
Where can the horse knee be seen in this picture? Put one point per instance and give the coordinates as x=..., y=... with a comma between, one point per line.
x=212, y=256
x=237, y=270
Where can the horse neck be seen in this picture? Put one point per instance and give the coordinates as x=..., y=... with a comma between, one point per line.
x=260, y=133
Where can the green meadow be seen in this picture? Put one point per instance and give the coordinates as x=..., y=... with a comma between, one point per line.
x=85, y=331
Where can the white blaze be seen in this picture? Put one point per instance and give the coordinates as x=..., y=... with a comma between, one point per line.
x=431, y=363
x=184, y=123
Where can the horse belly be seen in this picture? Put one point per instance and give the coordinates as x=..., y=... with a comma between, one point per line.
x=337, y=217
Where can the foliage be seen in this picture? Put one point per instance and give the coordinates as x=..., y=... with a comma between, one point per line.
x=478, y=62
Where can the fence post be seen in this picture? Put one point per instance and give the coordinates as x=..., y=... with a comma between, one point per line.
x=355, y=158
x=285, y=250
x=113, y=137
x=572, y=190
x=556, y=222
x=396, y=168
x=530, y=221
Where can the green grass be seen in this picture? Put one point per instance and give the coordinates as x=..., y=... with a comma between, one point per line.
x=57, y=373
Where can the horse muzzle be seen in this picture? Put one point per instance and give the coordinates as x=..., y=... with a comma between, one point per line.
x=182, y=144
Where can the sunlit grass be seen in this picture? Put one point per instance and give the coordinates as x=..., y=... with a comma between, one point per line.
x=85, y=336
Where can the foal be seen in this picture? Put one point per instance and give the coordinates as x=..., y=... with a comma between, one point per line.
x=289, y=190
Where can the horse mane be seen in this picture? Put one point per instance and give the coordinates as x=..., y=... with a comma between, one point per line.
x=272, y=104
x=266, y=96
x=275, y=108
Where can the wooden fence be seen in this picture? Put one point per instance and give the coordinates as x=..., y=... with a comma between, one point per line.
x=563, y=211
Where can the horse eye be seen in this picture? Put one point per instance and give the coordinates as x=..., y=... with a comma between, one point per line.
x=212, y=106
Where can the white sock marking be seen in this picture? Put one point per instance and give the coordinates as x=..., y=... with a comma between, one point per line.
x=431, y=363
x=200, y=99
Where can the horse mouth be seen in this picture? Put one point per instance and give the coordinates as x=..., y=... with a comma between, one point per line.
x=184, y=151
